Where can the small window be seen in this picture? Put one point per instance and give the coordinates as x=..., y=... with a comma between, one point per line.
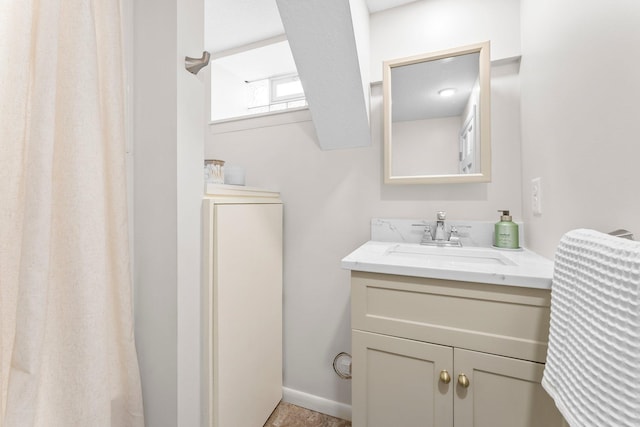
x=255, y=81
x=275, y=94
x=286, y=89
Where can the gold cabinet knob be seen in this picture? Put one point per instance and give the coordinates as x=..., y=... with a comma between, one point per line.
x=445, y=377
x=463, y=380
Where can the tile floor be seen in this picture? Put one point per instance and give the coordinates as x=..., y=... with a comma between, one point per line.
x=288, y=415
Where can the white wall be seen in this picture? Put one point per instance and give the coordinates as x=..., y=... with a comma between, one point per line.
x=229, y=92
x=329, y=200
x=155, y=244
x=168, y=153
x=190, y=156
x=432, y=25
x=580, y=91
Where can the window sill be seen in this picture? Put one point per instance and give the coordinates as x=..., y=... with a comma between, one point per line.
x=255, y=121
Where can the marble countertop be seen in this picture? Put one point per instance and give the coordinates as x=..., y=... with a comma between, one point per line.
x=521, y=268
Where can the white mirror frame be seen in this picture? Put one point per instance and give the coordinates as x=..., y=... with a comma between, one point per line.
x=484, y=108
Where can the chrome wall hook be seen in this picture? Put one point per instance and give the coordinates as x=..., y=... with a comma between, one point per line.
x=193, y=65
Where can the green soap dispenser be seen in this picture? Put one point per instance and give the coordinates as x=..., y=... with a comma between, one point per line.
x=506, y=232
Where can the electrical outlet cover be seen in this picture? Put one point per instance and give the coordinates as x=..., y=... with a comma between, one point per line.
x=536, y=196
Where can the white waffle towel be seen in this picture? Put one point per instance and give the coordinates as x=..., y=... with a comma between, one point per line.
x=593, y=361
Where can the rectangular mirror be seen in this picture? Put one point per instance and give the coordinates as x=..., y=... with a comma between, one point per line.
x=437, y=119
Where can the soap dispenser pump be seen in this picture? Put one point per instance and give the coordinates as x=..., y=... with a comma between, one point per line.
x=506, y=232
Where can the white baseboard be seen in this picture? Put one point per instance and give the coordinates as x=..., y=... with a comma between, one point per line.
x=317, y=403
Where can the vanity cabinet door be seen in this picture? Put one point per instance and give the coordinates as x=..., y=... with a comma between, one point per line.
x=396, y=382
x=502, y=392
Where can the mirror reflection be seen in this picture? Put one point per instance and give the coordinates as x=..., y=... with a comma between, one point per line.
x=437, y=117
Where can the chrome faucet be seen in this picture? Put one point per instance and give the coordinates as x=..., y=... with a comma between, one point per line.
x=440, y=233
x=439, y=236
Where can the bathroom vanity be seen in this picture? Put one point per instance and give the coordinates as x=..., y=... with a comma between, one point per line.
x=445, y=338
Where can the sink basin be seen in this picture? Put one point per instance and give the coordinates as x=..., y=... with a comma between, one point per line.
x=448, y=255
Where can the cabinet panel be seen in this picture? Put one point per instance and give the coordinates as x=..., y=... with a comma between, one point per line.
x=496, y=319
x=503, y=392
x=246, y=314
x=396, y=382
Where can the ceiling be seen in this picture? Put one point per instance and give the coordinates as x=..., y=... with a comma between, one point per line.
x=415, y=87
x=274, y=59
x=231, y=24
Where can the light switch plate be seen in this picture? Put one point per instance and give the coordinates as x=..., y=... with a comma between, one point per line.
x=536, y=196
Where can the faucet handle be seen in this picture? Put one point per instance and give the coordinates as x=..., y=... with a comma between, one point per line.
x=441, y=215
x=454, y=236
x=426, y=237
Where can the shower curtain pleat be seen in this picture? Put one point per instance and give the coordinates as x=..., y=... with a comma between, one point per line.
x=67, y=344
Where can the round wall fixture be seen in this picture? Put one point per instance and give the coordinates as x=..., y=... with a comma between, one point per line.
x=342, y=365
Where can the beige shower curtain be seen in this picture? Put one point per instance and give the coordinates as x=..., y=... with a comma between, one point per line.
x=67, y=345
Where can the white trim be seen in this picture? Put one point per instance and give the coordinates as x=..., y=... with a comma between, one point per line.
x=250, y=46
x=274, y=118
x=317, y=403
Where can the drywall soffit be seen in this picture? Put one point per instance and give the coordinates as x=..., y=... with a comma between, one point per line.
x=322, y=40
